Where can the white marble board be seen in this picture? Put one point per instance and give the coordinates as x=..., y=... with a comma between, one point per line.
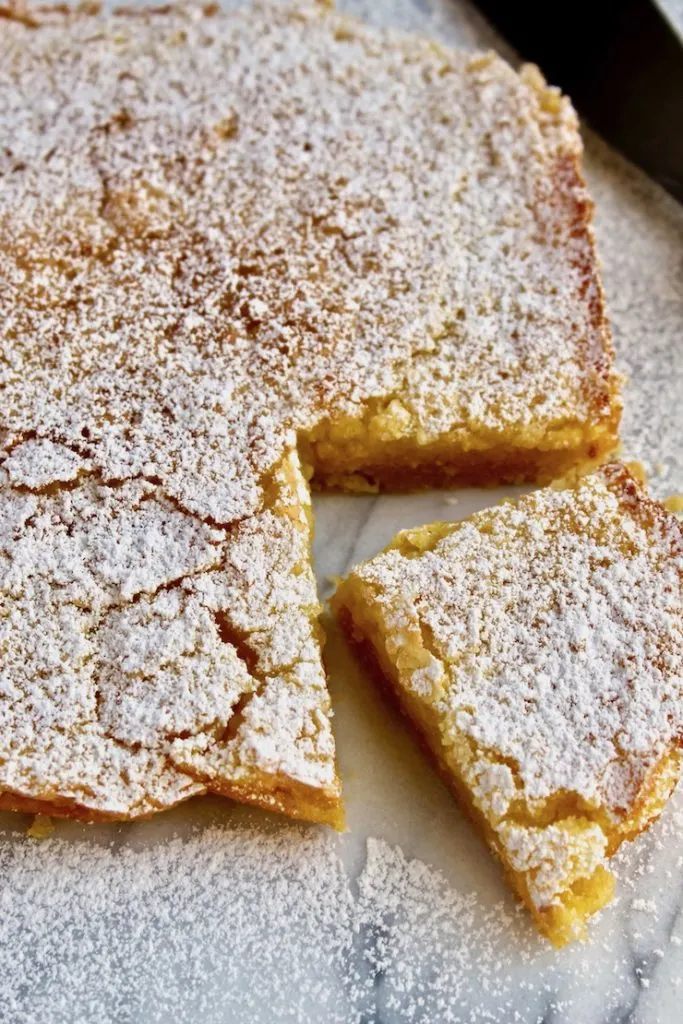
x=214, y=913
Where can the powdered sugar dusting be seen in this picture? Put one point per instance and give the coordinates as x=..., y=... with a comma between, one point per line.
x=163, y=276
x=35, y=464
x=217, y=231
x=430, y=215
x=556, y=626
x=118, y=676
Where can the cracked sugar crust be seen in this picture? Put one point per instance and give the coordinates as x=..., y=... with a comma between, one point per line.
x=552, y=635
x=131, y=631
x=216, y=234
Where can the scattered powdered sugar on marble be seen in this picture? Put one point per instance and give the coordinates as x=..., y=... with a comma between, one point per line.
x=252, y=922
x=205, y=927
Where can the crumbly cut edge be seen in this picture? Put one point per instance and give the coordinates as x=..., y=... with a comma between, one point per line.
x=582, y=842
x=394, y=461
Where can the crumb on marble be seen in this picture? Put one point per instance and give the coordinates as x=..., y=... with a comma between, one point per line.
x=41, y=827
x=674, y=503
x=638, y=470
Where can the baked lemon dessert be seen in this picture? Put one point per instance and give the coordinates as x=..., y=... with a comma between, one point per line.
x=238, y=251
x=537, y=648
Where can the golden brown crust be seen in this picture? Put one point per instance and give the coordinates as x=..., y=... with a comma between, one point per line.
x=282, y=795
x=59, y=808
x=603, y=390
x=637, y=501
x=270, y=794
x=368, y=658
